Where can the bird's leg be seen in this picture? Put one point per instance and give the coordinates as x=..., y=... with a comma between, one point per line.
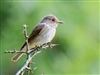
x=49, y=44
x=38, y=47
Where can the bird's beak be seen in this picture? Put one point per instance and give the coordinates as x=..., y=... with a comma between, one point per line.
x=60, y=22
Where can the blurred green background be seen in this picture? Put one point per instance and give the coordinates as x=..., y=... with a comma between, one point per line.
x=79, y=36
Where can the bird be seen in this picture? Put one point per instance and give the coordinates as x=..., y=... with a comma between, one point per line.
x=43, y=33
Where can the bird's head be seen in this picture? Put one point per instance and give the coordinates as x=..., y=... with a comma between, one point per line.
x=51, y=20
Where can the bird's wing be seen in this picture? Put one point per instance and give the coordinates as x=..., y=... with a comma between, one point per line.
x=34, y=33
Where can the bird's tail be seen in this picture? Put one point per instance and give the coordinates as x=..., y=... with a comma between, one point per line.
x=16, y=57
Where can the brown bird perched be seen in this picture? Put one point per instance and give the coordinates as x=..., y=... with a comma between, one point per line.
x=43, y=33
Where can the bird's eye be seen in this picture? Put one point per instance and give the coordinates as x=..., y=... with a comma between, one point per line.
x=53, y=19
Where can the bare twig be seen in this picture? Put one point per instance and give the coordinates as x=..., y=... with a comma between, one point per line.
x=26, y=37
x=15, y=51
x=32, y=53
x=27, y=49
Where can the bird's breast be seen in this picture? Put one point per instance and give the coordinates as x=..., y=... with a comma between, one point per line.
x=46, y=35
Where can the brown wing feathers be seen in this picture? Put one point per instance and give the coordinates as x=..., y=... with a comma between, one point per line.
x=34, y=34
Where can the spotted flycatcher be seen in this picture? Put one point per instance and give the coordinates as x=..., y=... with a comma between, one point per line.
x=43, y=33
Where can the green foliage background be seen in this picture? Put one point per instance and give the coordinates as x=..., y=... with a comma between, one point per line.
x=79, y=36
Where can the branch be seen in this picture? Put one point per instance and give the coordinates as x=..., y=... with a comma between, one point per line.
x=32, y=53
x=26, y=37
